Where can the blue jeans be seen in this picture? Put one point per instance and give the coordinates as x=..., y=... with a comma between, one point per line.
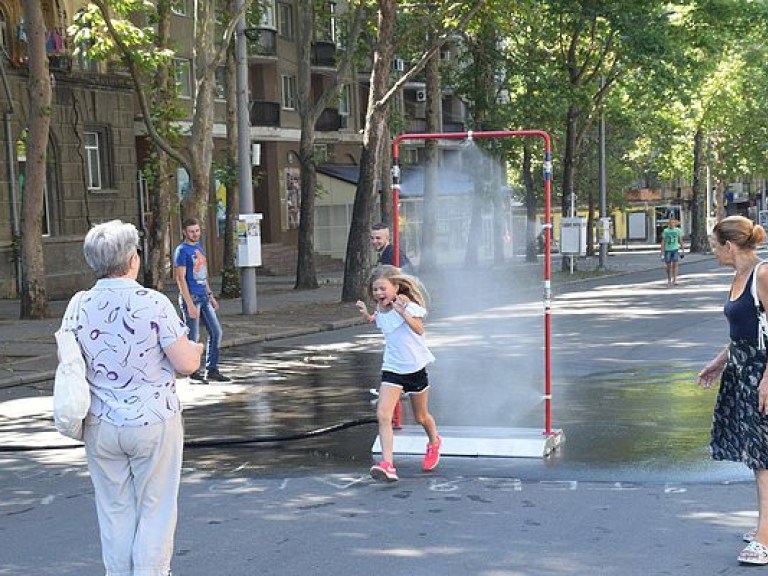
x=205, y=312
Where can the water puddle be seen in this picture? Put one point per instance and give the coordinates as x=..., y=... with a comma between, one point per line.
x=650, y=424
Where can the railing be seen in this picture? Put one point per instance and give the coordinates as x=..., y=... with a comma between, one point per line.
x=261, y=41
x=329, y=121
x=265, y=113
x=324, y=54
x=452, y=125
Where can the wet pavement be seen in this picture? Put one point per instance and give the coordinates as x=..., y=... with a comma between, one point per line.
x=631, y=491
x=618, y=421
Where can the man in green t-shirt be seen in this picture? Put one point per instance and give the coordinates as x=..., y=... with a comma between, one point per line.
x=672, y=249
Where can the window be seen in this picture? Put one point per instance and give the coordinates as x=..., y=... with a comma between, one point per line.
x=344, y=101
x=86, y=64
x=181, y=7
x=285, y=20
x=220, y=83
x=268, y=17
x=93, y=151
x=183, y=70
x=289, y=92
x=327, y=32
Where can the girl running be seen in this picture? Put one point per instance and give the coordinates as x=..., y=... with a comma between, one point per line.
x=399, y=314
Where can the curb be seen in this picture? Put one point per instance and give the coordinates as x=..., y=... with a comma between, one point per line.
x=36, y=377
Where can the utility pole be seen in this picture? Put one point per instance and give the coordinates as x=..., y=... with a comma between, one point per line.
x=601, y=184
x=245, y=182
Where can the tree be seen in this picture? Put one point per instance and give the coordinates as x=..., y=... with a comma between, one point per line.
x=454, y=16
x=230, y=274
x=34, y=301
x=160, y=171
x=310, y=107
x=112, y=29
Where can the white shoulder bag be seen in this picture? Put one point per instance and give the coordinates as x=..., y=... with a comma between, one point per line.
x=762, y=321
x=71, y=393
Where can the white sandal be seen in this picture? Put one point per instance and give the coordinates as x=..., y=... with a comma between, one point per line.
x=749, y=536
x=754, y=553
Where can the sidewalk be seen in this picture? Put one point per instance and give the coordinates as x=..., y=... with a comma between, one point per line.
x=28, y=347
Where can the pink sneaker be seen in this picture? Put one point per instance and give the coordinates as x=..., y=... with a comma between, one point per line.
x=432, y=457
x=384, y=471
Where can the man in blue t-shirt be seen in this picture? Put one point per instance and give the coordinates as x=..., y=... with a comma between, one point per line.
x=196, y=299
x=672, y=249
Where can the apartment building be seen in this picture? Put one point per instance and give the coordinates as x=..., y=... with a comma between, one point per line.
x=91, y=165
x=274, y=119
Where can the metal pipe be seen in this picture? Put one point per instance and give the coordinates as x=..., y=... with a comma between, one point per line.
x=15, y=224
x=547, y=231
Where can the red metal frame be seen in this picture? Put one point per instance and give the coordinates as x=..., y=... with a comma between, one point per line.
x=547, y=235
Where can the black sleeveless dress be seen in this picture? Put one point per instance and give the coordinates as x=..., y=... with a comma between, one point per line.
x=739, y=431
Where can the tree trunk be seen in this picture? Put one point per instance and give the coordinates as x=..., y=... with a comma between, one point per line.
x=499, y=212
x=471, y=255
x=531, y=247
x=201, y=138
x=306, y=273
x=591, y=206
x=158, y=258
x=699, y=240
x=428, y=259
x=385, y=179
x=356, y=264
x=569, y=168
x=34, y=301
x=230, y=274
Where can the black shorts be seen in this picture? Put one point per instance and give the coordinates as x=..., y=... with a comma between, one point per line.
x=410, y=383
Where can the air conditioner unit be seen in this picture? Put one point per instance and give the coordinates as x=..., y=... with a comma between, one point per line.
x=421, y=95
x=398, y=64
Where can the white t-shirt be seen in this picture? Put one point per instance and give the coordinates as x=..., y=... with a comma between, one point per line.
x=122, y=331
x=405, y=351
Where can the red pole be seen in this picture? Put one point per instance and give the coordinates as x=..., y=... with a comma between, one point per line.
x=398, y=413
x=547, y=233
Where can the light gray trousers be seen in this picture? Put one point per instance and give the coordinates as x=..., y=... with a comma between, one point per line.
x=136, y=472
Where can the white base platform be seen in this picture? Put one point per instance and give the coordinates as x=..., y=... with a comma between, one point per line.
x=479, y=441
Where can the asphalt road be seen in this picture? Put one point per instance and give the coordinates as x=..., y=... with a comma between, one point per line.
x=632, y=490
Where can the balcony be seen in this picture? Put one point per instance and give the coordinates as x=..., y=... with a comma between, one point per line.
x=324, y=54
x=329, y=121
x=452, y=124
x=265, y=113
x=60, y=63
x=261, y=42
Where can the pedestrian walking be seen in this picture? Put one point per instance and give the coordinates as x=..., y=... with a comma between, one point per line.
x=399, y=313
x=672, y=250
x=133, y=342
x=740, y=423
x=196, y=299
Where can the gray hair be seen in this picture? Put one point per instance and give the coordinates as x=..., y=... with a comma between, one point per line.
x=108, y=248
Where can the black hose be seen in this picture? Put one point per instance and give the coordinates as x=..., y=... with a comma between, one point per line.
x=214, y=442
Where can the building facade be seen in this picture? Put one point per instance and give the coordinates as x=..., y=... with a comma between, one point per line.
x=91, y=173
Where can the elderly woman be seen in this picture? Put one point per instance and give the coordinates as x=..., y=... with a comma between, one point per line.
x=740, y=423
x=133, y=342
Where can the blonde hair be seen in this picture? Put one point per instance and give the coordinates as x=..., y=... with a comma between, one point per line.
x=406, y=284
x=739, y=231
